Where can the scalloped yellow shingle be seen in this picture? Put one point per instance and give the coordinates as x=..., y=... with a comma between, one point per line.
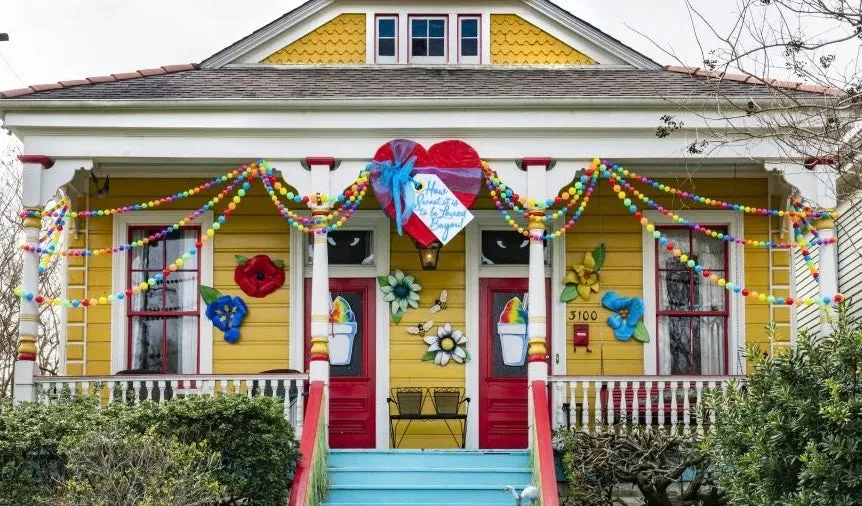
x=515, y=41
x=341, y=40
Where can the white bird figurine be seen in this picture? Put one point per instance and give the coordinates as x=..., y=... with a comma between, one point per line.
x=529, y=493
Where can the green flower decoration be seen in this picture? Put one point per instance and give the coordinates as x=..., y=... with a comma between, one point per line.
x=583, y=279
x=401, y=292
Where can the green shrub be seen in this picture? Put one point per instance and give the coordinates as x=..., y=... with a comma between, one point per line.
x=115, y=467
x=30, y=459
x=794, y=437
x=257, y=446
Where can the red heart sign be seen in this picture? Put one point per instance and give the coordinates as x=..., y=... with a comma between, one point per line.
x=456, y=163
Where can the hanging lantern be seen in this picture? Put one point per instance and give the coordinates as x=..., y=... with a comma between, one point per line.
x=428, y=255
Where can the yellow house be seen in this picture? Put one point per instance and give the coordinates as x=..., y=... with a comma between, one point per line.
x=629, y=283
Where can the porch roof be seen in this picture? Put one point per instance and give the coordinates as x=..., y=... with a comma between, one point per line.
x=367, y=82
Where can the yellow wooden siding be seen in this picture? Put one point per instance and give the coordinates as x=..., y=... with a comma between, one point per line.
x=405, y=362
x=254, y=228
x=515, y=41
x=606, y=220
x=341, y=41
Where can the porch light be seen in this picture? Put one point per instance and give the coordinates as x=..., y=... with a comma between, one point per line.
x=428, y=255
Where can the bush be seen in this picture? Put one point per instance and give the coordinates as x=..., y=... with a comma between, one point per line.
x=256, y=444
x=795, y=436
x=120, y=468
x=30, y=459
x=597, y=467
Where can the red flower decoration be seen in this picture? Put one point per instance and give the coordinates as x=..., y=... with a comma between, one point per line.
x=259, y=276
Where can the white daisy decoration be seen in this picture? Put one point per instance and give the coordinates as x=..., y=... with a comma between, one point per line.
x=401, y=292
x=447, y=345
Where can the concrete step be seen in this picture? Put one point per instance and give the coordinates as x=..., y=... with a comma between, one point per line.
x=384, y=494
x=430, y=476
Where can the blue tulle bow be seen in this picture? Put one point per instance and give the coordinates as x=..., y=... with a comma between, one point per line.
x=398, y=179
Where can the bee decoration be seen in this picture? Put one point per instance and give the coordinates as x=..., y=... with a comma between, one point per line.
x=440, y=303
x=420, y=329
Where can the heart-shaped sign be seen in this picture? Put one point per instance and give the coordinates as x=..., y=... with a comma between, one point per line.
x=456, y=163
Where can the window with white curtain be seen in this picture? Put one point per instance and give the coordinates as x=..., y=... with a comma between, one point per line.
x=163, y=321
x=692, y=312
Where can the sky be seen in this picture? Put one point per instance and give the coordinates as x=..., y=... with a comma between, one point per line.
x=53, y=40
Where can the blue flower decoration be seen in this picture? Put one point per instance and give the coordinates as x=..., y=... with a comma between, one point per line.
x=626, y=321
x=227, y=314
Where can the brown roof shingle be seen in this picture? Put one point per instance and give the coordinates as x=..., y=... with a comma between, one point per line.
x=367, y=82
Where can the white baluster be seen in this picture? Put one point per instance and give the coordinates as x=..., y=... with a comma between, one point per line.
x=698, y=408
x=85, y=388
x=624, y=419
x=112, y=397
x=661, y=420
x=559, y=400
x=673, y=407
x=712, y=411
x=686, y=407
x=249, y=386
x=636, y=414
x=300, y=408
x=597, y=385
x=610, y=406
x=585, y=407
x=649, y=404
x=223, y=386
x=573, y=404
x=236, y=386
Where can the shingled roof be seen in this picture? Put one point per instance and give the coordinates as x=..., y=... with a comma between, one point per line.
x=368, y=82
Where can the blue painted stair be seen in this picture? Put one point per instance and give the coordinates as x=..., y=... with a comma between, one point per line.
x=426, y=477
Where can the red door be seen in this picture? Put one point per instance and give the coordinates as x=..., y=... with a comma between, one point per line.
x=351, y=357
x=503, y=363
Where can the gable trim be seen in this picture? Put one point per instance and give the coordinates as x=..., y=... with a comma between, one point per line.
x=264, y=34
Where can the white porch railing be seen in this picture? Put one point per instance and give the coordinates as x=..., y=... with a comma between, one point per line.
x=290, y=389
x=603, y=404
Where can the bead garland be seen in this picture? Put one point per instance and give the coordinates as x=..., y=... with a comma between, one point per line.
x=717, y=203
x=30, y=213
x=731, y=287
x=503, y=196
x=144, y=241
x=156, y=280
x=349, y=201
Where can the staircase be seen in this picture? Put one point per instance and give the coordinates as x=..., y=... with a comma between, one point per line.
x=426, y=477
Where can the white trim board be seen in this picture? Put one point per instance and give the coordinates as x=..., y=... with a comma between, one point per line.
x=379, y=225
x=736, y=266
x=490, y=220
x=119, y=281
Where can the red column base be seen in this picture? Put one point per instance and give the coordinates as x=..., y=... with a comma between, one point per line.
x=27, y=356
x=319, y=356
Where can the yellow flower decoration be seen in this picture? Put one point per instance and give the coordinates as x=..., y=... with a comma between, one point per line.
x=583, y=279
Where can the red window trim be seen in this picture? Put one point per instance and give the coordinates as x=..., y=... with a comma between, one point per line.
x=478, y=18
x=130, y=313
x=692, y=313
x=377, y=35
x=410, y=18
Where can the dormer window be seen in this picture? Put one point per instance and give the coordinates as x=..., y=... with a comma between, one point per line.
x=387, y=39
x=468, y=39
x=428, y=39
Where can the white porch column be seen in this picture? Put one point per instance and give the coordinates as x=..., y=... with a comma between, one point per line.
x=319, y=359
x=28, y=328
x=537, y=327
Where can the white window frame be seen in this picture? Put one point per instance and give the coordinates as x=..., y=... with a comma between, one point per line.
x=736, y=273
x=446, y=39
x=474, y=270
x=377, y=57
x=469, y=59
x=379, y=226
x=119, y=282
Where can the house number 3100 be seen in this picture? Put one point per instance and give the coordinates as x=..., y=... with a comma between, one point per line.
x=584, y=316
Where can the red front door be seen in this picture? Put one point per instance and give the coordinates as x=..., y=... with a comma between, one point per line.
x=503, y=363
x=351, y=357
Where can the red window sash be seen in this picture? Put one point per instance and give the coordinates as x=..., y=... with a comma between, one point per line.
x=692, y=313
x=131, y=314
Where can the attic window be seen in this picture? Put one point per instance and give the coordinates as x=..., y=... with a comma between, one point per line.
x=468, y=39
x=428, y=39
x=387, y=39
